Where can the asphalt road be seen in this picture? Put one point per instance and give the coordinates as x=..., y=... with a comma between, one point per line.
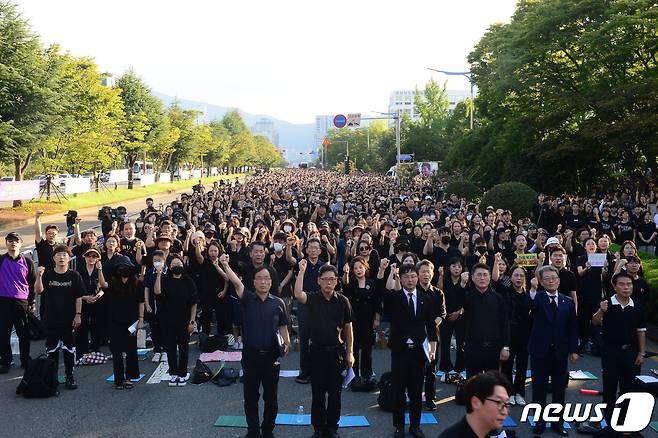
x=95, y=409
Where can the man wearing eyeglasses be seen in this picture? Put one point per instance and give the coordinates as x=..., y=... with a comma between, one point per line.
x=553, y=339
x=331, y=353
x=17, y=277
x=486, y=397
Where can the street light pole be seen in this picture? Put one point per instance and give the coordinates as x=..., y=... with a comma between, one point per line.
x=468, y=75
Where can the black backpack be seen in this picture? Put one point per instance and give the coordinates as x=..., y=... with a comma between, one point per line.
x=385, y=398
x=40, y=378
x=201, y=373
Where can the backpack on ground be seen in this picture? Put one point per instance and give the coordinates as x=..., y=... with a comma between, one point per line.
x=40, y=378
x=385, y=398
x=201, y=373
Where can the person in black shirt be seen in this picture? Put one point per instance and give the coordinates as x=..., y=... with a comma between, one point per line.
x=487, y=324
x=178, y=298
x=330, y=321
x=486, y=397
x=453, y=286
x=44, y=248
x=645, y=238
x=568, y=285
x=92, y=276
x=213, y=289
x=62, y=290
x=266, y=338
x=126, y=306
x=625, y=228
x=624, y=339
x=590, y=291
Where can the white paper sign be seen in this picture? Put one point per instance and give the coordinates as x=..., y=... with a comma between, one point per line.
x=596, y=260
x=118, y=175
x=77, y=185
x=145, y=180
x=19, y=190
x=165, y=177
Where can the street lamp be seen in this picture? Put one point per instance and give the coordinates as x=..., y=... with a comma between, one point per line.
x=468, y=75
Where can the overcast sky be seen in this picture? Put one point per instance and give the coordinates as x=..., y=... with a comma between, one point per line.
x=287, y=59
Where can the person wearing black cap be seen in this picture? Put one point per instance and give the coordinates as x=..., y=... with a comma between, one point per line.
x=91, y=321
x=17, y=277
x=126, y=306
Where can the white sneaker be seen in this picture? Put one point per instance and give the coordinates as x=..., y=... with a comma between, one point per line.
x=156, y=357
x=182, y=381
x=520, y=400
x=163, y=357
x=511, y=400
x=173, y=381
x=237, y=345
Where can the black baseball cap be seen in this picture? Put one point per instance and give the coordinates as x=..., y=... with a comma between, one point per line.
x=13, y=236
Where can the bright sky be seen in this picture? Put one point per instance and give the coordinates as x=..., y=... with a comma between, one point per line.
x=290, y=59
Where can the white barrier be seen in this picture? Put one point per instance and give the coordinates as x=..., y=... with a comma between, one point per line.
x=184, y=174
x=118, y=175
x=214, y=171
x=77, y=185
x=196, y=173
x=145, y=180
x=19, y=190
x=164, y=177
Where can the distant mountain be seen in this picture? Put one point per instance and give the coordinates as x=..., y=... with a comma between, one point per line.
x=294, y=138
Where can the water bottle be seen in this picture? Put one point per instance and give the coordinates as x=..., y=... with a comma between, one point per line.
x=299, y=419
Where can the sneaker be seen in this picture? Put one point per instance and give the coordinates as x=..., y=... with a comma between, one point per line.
x=511, y=400
x=69, y=383
x=185, y=378
x=182, y=381
x=520, y=400
x=163, y=357
x=156, y=357
x=237, y=345
x=173, y=381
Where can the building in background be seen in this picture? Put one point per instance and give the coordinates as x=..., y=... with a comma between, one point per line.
x=265, y=127
x=403, y=100
x=322, y=126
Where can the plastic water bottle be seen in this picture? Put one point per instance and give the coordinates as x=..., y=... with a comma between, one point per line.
x=299, y=419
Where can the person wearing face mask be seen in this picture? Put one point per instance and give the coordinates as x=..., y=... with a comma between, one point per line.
x=283, y=268
x=152, y=308
x=438, y=247
x=479, y=254
x=125, y=306
x=178, y=302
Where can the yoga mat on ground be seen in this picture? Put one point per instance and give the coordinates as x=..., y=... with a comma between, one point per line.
x=231, y=421
x=509, y=422
x=654, y=425
x=582, y=375
x=425, y=418
x=531, y=420
x=291, y=420
x=111, y=379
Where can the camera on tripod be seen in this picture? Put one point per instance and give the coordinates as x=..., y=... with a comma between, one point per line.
x=107, y=213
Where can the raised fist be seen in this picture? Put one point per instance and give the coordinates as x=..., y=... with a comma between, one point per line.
x=223, y=259
x=302, y=265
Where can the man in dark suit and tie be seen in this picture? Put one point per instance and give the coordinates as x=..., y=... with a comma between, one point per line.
x=412, y=323
x=553, y=339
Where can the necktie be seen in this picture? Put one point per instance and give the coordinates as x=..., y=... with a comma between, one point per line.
x=553, y=304
x=412, y=310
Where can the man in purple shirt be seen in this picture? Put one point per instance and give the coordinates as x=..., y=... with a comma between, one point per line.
x=17, y=279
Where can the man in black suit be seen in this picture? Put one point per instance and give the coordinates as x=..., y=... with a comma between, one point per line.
x=553, y=339
x=412, y=324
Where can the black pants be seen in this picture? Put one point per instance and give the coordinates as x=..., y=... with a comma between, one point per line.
x=518, y=352
x=61, y=338
x=90, y=324
x=153, y=320
x=213, y=306
x=364, y=339
x=304, y=333
x=619, y=370
x=585, y=312
x=327, y=364
x=121, y=341
x=446, y=330
x=13, y=313
x=408, y=372
x=260, y=369
x=482, y=357
x=430, y=381
x=554, y=366
x=177, y=346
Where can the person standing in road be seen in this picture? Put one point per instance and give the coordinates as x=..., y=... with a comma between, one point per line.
x=331, y=343
x=45, y=248
x=17, y=277
x=61, y=289
x=91, y=321
x=266, y=338
x=624, y=340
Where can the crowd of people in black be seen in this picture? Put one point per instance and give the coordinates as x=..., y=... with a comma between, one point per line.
x=459, y=289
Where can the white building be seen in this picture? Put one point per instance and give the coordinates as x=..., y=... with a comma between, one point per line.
x=322, y=126
x=403, y=100
x=265, y=127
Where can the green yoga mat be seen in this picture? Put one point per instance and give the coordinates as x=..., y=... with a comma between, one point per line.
x=231, y=421
x=654, y=425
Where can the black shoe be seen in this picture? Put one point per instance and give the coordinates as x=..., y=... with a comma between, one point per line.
x=252, y=435
x=317, y=434
x=4, y=369
x=559, y=429
x=69, y=383
x=268, y=434
x=430, y=405
x=303, y=379
x=539, y=428
x=399, y=432
x=416, y=432
x=332, y=433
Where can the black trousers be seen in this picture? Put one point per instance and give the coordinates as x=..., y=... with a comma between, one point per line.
x=554, y=366
x=364, y=339
x=304, y=333
x=408, y=372
x=177, y=346
x=121, y=341
x=260, y=369
x=518, y=352
x=482, y=357
x=61, y=338
x=327, y=364
x=619, y=371
x=13, y=314
x=430, y=381
x=90, y=324
x=446, y=330
x=213, y=306
x=585, y=312
x=153, y=320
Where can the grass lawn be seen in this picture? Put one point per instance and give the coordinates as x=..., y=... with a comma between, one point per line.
x=103, y=197
x=650, y=268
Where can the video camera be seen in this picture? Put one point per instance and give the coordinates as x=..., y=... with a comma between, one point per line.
x=107, y=213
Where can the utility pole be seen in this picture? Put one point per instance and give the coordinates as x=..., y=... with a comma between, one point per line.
x=397, y=144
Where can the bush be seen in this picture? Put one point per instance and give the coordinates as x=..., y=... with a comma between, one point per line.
x=514, y=196
x=463, y=189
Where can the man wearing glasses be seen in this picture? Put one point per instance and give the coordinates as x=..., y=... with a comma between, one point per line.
x=330, y=321
x=553, y=339
x=486, y=397
x=17, y=277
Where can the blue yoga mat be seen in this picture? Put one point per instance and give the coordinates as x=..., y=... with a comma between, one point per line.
x=548, y=425
x=353, y=421
x=509, y=422
x=425, y=418
x=345, y=421
x=111, y=379
x=143, y=351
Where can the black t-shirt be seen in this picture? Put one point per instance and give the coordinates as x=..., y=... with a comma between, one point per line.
x=365, y=302
x=567, y=282
x=45, y=254
x=79, y=251
x=646, y=230
x=606, y=226
x=620, y=325
x=328, y=318
x=127, y=248
x=261, y=320
x=176, y=300
x=282, y=267
x=60, y=293
x=124, y=299
x=441, y=257
x=591, y=283
x=209, y=280
x=625, y=231
x=454, y=294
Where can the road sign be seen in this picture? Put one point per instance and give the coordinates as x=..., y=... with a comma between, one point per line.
x=354, y=120
x=340, y=121
x=326, y=141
